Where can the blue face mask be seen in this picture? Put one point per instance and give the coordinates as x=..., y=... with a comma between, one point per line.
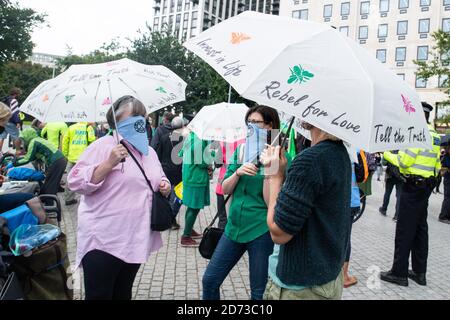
x=255, y=142
x=134, y=131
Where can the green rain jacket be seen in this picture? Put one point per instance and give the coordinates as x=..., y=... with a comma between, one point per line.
x=38, y=149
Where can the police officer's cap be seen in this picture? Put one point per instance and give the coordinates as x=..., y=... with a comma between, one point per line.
x=426, y=107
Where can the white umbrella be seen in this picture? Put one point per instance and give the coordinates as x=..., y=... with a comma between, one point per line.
x=85, y=92
x=315, y=73
x=220, y=122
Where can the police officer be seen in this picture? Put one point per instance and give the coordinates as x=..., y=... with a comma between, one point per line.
x=420, y=168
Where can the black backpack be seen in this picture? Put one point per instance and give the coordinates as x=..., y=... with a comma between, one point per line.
x=361, y=168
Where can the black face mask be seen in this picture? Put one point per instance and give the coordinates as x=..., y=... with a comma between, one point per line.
x=1, y=130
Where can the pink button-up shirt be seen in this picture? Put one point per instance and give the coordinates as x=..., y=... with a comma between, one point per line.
x=114, y=215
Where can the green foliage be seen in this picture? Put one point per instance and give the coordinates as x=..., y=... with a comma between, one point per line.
x=107, y=52
x=24, y=75
x=16, y=25
x=204, y=85
x=438, y=66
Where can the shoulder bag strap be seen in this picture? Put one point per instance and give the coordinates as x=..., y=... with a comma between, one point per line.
x=217, y=214
x=139, y=166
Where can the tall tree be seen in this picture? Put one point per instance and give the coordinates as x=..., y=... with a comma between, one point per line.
x=438, y=65
x=16, y=25
x=204, y=85
x=24, y=75
x=107, y=52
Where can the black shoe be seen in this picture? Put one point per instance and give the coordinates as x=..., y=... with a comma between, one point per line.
x=389, y=277
x=382, y=211
x=420, y=278
x=175, y=226
x=444, y=221
x=394, y=218
x=71, y=202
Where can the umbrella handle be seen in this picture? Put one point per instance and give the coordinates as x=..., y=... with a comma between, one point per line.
x=283, y=142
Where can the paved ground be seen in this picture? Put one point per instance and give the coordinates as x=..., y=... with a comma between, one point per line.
x=176, y=272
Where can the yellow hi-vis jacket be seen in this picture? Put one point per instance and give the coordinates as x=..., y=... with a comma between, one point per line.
x=418, y=162
x=54, y=131
x=76, y=140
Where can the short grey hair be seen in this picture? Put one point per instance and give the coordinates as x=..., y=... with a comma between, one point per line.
x=137, y=109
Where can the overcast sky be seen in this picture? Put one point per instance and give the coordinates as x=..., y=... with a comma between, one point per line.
x=86, y=24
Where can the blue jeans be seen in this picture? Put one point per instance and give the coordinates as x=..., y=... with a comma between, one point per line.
x=227, y=255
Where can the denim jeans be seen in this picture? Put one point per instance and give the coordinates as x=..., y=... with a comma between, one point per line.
x=227, y=255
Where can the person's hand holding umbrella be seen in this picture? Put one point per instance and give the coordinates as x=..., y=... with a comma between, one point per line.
x=274, y=162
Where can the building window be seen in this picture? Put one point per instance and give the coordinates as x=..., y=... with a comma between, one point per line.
x=185, y=22
x=446, y=25
x=363, y=32
x=381, y=55
x=401, y=75
x=422, y=53
x=300, y=14
x=420, y=83
x=345, y=8
x=155, y=23
x=187, y=3
x=382, y=31
x=365, y=8
x=425, y=3
x=164, y=23
x=424, y=25
x=172, y=6
x=400, y=54
x=344, y=30
x=403, y=4
x=327, y=11
x=384, y=5
x=179, y=5
x=446, y=2
x=445, y=58
x=402, y=28
x=443, y=81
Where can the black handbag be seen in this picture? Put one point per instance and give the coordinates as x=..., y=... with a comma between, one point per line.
x=10, y=287
x=162, y=217
x=211, y=237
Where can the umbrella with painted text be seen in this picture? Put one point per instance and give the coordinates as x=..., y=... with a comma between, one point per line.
x=312, y=71
x=86, y=92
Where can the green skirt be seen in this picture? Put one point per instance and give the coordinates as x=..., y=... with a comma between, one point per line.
x=196, y=197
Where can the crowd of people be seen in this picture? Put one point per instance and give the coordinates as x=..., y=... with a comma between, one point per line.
x=292, y=215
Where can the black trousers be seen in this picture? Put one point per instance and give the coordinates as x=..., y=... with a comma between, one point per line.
x=107, y=277
x=53, y=176
x=221, y=208
x=392, y=182
x=411, y=234
x=445, y=210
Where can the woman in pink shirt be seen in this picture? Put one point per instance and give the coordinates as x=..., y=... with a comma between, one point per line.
x=227, y=150
x=114, y=236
